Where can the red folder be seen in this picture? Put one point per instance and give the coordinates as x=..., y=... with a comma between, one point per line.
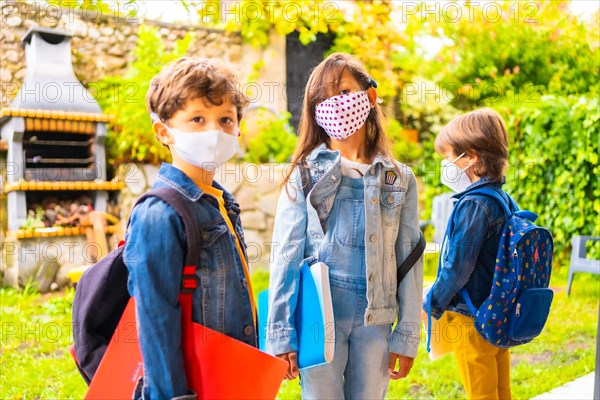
x=217, y=366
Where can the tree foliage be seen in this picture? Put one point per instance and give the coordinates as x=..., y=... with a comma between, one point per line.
x=519, y=50
x=275, y=140
x=130, y=135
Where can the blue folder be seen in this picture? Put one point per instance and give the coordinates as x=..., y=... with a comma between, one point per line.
x=314, y=319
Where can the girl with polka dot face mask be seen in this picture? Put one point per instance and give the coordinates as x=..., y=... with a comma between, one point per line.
x=347, y=204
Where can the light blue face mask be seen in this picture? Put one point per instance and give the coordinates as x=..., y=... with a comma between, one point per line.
x=205, y=149
x=454, y=177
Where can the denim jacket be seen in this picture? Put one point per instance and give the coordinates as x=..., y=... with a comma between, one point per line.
x=391, y=232
x=155, y=251
x=468, y=256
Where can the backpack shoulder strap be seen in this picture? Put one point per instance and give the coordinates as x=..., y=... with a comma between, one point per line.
x=182, y=206
x=508, y=206
x=531, y=216
x=412, y=258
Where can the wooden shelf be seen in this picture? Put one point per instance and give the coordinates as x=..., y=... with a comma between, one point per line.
x=53, y=232
x=63, y=185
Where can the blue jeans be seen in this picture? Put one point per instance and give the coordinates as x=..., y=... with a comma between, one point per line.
x=359, y=366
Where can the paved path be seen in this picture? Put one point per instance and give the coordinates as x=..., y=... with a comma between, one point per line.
x=579, y=389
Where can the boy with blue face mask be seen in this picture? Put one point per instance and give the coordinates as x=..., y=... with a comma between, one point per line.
x=196, y=108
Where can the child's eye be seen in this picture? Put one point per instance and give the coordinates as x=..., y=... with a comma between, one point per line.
x=226, y=120
x=345, y=91
x=197, y=119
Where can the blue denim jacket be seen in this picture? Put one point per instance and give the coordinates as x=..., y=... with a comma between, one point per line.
x=154, y=253
x=391, y=232
x=468, y=256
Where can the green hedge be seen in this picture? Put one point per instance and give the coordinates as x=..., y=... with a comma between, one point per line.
x=553, y=168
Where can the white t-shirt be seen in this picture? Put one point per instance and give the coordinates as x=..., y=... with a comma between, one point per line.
x=353, y=169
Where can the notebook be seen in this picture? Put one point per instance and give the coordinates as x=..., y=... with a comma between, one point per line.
x=211, y=360
x=263, y=314
x=315, y=325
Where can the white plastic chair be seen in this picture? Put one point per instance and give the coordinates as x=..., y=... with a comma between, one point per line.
x=579, y=261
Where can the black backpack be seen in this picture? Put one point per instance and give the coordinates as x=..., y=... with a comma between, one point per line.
x=101, y=294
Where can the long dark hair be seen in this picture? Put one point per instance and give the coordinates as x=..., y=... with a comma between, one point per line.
x=321, y=85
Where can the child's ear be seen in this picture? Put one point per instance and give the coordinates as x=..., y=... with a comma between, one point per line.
x=372, y=94
x=473, y=159
x=162, y=133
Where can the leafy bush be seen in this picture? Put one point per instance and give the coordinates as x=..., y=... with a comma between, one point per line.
x=274, y=142
x=554, y=164
x=535, y=48
x=130, y=135
x=403, y=149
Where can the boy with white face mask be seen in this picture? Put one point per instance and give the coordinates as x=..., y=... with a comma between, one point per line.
x=475, y=151
x=196, y=109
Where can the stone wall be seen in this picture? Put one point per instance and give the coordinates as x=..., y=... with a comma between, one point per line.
x=254, y=186
x=102, y=45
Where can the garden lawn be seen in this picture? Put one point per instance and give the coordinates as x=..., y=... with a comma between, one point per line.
x=36, y=334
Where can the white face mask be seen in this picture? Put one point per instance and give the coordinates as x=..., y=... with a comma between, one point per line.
x=454, y=177
x=206, y=149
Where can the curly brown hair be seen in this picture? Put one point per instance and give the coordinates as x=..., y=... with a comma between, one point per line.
x=190, y=78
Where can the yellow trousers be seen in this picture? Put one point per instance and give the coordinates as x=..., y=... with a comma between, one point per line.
x=484, y=369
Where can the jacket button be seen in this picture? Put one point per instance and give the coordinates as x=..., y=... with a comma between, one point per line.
x=373, y=200
x=373, y=238
x=372, y=171
x=390, y=199
x=371, y=278
x=370, y=317
x=248, y=330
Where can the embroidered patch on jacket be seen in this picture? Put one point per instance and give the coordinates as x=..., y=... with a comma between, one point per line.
x=390, y=177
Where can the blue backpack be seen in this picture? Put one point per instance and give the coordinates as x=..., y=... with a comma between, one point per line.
x=519, y=302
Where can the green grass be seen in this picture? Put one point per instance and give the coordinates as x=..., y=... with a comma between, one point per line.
x=35, y=339
x=36, y=335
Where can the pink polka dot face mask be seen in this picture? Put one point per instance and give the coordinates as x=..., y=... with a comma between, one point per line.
x=341, y=116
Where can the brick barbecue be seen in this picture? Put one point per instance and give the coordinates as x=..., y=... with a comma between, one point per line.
x=54, y=174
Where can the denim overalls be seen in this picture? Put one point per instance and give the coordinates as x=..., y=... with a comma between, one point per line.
x=361, y=352
x=391, y=231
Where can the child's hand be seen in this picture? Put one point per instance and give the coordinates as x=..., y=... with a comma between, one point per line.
x=292, y=359
x=405, y=364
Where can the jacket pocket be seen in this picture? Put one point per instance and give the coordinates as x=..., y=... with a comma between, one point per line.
x=391, y=202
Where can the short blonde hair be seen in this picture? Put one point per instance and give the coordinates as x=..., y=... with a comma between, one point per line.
x=481, y=132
